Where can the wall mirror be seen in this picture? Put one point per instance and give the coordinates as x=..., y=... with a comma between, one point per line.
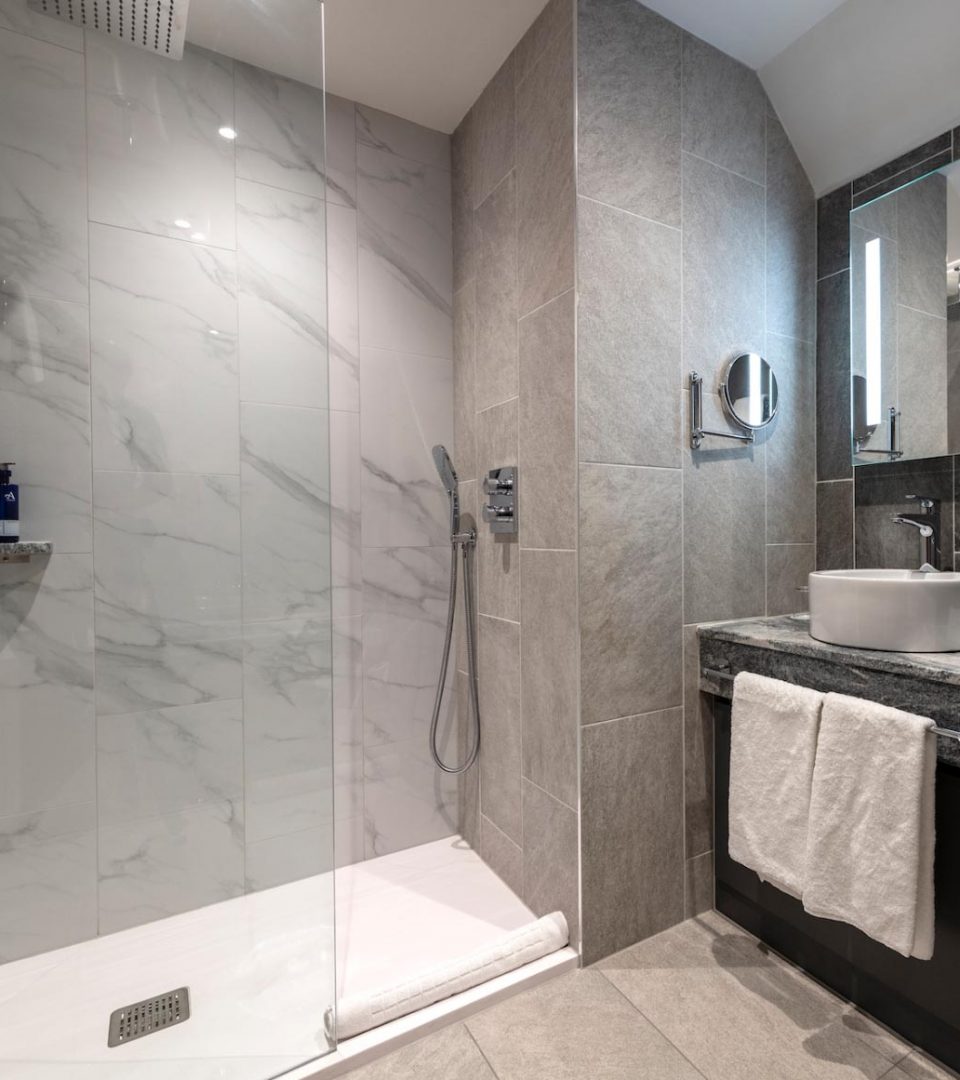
x=905, y=321
x=749, y=391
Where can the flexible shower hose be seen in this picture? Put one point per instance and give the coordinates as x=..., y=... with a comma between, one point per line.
x=465, y=543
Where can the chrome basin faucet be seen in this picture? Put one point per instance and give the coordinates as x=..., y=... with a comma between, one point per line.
x=927, y=522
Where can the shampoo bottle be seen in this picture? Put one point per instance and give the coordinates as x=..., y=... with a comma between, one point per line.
x=9, y=505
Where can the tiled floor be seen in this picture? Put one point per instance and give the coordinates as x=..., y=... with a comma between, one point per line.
x=702, y=1001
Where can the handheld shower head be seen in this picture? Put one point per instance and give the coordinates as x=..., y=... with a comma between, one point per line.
x=448, y=475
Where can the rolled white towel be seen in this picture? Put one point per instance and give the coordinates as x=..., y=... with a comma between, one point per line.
x=513, y=950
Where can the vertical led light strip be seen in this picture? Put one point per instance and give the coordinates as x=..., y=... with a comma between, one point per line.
x=756, y=400
x=874, y=339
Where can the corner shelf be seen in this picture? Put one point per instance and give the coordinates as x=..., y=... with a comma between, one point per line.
x=25, y=550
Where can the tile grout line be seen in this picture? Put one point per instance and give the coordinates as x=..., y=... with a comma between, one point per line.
x=473, y=1039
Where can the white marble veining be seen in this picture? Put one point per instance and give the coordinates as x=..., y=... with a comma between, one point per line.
x=384, y=131
x=288, y=857
x=167, y=590
x=156, y=157
x=164, y=760
x=15, y=15
x=45, y=416
x=280, y=130
x=344, y=343
x=150, y=868
x=43, y=196
x=283, y=299
x=286, y=513
x=406, y=254
x=407, y=408
x=348, y=739
x=341, y=151
x=346, y=569
x=48, y=880
x=46, y=684
x=163, y=330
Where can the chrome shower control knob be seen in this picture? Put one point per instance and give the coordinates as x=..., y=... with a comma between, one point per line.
x=500, y=487
x=497, y=485
x=497, y=513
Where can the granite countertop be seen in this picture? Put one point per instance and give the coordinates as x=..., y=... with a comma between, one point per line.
x=791, y=634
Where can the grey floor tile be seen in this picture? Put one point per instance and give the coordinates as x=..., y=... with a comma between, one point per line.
x=572, y=1028
x=739, y=1013
x=448, y=1054
x=920, y=1067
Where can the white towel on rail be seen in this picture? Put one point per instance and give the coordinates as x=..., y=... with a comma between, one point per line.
x=773, y=743
x=871, y=845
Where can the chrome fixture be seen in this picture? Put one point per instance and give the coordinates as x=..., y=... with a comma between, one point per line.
x=863, y=431
x=500, y=486
x=159, y=26
x=927, y=522
x=461, y=543
x=749, y=394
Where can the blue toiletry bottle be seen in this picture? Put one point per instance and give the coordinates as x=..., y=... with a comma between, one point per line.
x=9, y=505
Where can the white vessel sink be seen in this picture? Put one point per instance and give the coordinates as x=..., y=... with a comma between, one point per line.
x=894, y=610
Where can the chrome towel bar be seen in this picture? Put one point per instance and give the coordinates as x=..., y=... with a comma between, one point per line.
x=725, y=677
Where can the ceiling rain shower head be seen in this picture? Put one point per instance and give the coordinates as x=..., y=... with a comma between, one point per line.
x=159, y=26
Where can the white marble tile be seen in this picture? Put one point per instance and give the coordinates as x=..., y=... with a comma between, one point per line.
x=151, y=868
x=15, y=15
x=48, y=880
x=344, y=357
x=407, y=409
x=290, y=857
x=408, y=800
x=157, y=762
x=384, y=131
x=163, y=336
x=287, y=735
x=286, y=514
x=346, y=569
x=348, y=739
x=406, y=254
x=43, y=195
x=167, y=571
x=47, y=741
x=341, y=151
x=279, y=131
x=405, y=607
x=283, y=297
x=45, y=416
x=156, y=158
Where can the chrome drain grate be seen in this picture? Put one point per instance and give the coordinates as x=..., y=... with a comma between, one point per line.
x=145, y=1017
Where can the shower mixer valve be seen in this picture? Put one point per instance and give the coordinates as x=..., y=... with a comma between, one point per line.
x=500, y=487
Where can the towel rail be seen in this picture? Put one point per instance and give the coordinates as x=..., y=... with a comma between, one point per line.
x=725, y=677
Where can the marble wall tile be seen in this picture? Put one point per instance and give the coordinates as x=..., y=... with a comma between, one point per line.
x=163, y=335
x=47, y=739
x=15, y=15
x=407, y=409
x=468, y=820
x=280, y=136
x=548, y=642
x=151, y=868
x=546, y=175
x=167, y=569
x=287, y=727
x=344, y=314
x=548, y=423
x=697, y=753
x=631, y=826
x=290, y=857
x=630, y=591
x=48, y=880
x=791, y=462
x=404, y=614
x=43, y=216
x=407, y=800
x=383, y=131
x=464, y=382
x=835, y=525
x=723, y=267
x=284, y=473
x=723, y=535
x=406, y=254
x=155, y=155
x=833, y=378
x=45, y=416
x=283, y=296
x=498, y=554
x=550, y=857
x=348, y=740
x=497, y=302
x=469, y=519
x=629, y=108
x=500, y=712
x=628, y=338
x=791, y=240
x=158, y=762
x=345, y=517
x=494, y=134
x=341, y=151
x=501, y=854
x=788, y=567
x=724, y=110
